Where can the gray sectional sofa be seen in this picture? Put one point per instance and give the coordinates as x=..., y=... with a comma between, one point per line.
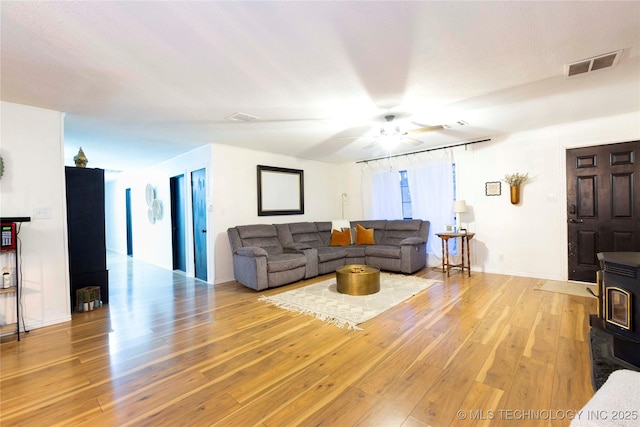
x=271, y=255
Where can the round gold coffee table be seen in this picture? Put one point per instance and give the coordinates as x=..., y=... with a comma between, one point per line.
x=358, y=279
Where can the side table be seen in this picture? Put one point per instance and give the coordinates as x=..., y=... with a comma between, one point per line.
x=466, y=260
x=358, y=279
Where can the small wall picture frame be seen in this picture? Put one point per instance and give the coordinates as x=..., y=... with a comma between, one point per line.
x=493, y=188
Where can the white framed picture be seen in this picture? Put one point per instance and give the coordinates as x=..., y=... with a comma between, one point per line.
x=493, y=188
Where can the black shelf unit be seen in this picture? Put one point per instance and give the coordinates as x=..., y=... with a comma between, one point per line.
x=86, y=231
x=18, y=280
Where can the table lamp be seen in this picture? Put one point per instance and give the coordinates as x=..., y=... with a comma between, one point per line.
x=459, y=206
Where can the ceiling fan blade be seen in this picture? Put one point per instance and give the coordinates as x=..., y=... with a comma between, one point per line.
x=426, y=129
x=358, y=137
x=412, y=141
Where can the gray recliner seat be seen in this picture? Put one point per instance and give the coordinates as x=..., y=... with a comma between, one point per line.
x=260, y=261
x=400, y=245
x=314, y=239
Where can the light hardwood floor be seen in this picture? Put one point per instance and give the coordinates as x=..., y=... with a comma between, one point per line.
x=168, y=350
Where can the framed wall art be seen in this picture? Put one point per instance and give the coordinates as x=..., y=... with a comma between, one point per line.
x=493, y=188
x=280, y=191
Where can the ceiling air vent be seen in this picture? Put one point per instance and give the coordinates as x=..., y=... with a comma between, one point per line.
x=455, y=124
x=592, y=64
x=241, y=117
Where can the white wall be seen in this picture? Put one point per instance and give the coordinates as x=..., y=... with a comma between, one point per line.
x=152, y=241
x=32, y=150
x=528, y=239
x=235, y=195
x=232, y=200
x=523, y=239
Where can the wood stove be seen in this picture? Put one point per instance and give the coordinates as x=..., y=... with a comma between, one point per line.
x=619, y=302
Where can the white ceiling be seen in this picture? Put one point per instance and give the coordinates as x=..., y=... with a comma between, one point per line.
x=144, y=81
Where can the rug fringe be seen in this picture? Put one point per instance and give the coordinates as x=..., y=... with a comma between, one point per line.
x=327, y=318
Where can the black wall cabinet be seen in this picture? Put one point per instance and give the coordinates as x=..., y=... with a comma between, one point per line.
x=86, y=231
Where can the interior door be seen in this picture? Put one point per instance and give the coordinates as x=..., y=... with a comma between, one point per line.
x=603, y=205
x=129, y=222
x=199, y=208
x=178, y=237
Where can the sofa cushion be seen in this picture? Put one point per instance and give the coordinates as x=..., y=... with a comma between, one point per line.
x=412, y=241
x=330, y=253
x=252, y=251
x=355, y=251
x=306, y=232
x=284, y=262
x=256, y=231
x=324, y=230
x=383, y=251
x=377, y=225
x=341, y=238
x=397, y=230
x=261, y=235
x=364, y=236
x=404, y=225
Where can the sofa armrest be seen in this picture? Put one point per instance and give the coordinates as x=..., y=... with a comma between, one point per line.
x=296, y=247
x=311, y=254
x=412, y=241
x=251, y=251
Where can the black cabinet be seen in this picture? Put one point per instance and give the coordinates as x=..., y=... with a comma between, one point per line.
x=86, y=231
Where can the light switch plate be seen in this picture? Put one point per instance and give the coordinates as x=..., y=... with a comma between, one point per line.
x=42, y=213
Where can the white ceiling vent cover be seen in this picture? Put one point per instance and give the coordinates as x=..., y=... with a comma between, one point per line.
x=455, y=124
x=241, y=117
x=592, y=64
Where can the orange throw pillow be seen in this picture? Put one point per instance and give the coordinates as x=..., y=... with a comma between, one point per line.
x=340, y=238
x=364, y=236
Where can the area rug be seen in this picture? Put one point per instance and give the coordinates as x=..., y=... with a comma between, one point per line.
x=603, y=361
x=569, y=288
x=323, y=301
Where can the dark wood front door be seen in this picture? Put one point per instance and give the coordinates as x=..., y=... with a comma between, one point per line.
x=603, y=204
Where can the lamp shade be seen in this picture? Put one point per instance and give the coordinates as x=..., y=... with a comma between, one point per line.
x=459, y=206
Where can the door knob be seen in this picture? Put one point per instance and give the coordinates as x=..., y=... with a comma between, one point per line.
x=575, y=221
x=204, y=231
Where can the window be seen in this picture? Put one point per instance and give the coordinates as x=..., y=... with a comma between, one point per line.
x=420, y=188
x=406, y=196
x=407, y=206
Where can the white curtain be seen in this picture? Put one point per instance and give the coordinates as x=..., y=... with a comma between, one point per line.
x=431, y=189
x=382, y=197
x=430, y=178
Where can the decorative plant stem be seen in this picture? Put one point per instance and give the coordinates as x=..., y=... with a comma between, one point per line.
x=516, y=178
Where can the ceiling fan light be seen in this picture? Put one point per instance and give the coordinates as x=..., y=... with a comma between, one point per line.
x=389, y=142
x=389, y=129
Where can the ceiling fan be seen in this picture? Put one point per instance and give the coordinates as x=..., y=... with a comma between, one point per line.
x=391, y=134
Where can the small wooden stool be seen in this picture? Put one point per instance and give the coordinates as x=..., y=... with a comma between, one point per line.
x=88, y=298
